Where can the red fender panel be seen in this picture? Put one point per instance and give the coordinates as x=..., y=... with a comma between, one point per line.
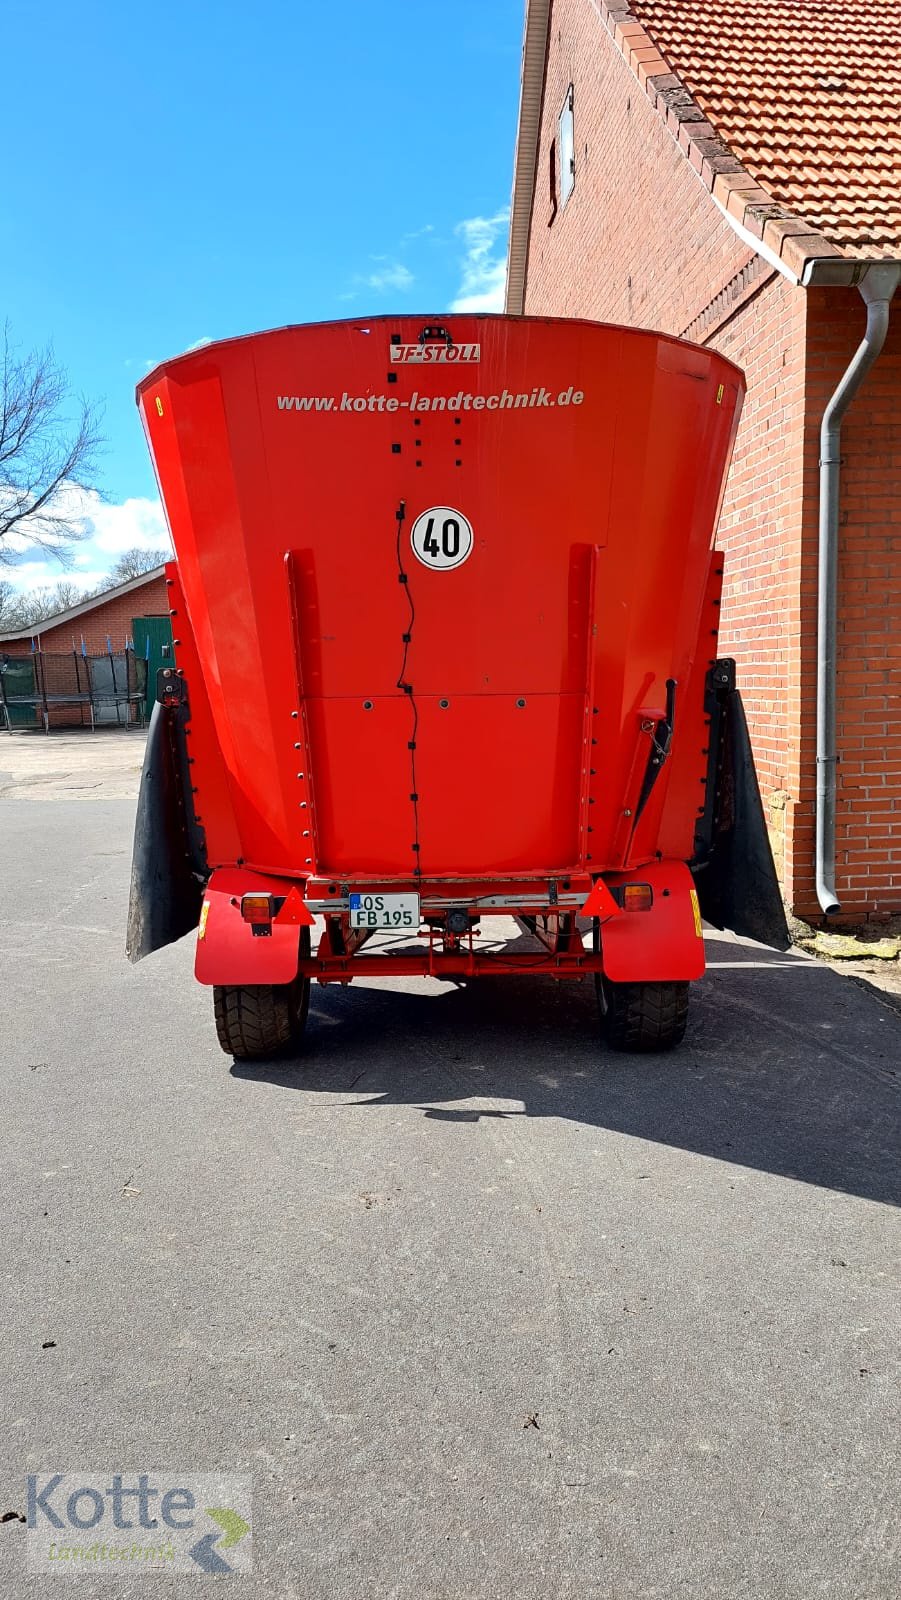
x=228, y=951
x=664, y=944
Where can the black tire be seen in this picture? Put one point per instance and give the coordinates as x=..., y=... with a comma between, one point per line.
x=254, y=1021
x=643, y=1017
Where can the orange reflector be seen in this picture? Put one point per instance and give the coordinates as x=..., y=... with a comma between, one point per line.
x=256, y=908
x=637, y=897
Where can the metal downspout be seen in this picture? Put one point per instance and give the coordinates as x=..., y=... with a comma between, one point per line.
x=877, y=288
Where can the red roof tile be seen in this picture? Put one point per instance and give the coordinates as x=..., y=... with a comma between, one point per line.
x=807, y=95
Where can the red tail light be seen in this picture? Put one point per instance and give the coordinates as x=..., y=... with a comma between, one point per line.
x=635, y=896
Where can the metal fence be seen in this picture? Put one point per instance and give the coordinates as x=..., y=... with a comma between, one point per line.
x=106, y=688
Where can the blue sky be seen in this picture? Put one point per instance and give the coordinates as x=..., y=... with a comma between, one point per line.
x=187, y=171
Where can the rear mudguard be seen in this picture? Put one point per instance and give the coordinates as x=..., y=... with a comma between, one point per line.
x=735, y=874
x=662, y=945
x=168, y=860
x=228, y=949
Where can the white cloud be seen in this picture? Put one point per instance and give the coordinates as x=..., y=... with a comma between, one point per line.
x=47, y=574
x=113, y=528
x=393, y=275
x=484, y=270
x=107, y=529
x=28, y=573
x=150, y=362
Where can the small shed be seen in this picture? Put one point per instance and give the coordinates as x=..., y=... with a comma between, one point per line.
x=94, y=662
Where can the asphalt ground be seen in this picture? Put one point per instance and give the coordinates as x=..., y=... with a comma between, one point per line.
x=483, y=1310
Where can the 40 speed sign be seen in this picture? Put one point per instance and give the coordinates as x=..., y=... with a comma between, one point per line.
x=441, y=538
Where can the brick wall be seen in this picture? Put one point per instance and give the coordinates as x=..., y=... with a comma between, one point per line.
x=641, y=242
x=761, y=532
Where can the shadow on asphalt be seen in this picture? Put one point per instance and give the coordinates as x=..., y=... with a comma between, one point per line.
x=786, y=1067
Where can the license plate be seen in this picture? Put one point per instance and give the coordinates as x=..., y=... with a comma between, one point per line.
x=384, y=910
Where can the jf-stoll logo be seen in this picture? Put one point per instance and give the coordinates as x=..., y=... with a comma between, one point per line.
x=440, y=354
x=123, y=1521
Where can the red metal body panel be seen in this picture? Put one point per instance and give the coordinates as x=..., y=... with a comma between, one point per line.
x=214, y=807
x=661, y=945
x=506, y=805
x=359, y=715
x=227, y=949
x=624, y=485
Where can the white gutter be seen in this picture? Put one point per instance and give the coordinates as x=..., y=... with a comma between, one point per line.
x=750, y=240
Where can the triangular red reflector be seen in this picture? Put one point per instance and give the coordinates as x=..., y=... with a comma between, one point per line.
x=294, y=912
x=600, y=902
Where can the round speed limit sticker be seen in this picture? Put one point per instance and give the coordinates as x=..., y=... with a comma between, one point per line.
x=441, y=538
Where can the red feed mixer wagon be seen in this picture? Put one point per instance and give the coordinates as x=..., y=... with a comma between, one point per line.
x=445, y=609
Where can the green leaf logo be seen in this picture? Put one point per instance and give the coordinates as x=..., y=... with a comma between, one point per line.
x=233, y=1526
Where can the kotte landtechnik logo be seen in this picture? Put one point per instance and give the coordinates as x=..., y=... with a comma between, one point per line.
x=178, y=1522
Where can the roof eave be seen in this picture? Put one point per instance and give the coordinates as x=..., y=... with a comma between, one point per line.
x=528, y=131
x=83, y=606
x=786, y=239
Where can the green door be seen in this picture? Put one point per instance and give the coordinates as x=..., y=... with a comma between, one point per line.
x=19, y=679
x=153, y=643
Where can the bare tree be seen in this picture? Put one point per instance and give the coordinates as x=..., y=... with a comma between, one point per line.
x=28, y=608
x=43, y=451
x=62, y=595
x=9, y=599
x=134, y=563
